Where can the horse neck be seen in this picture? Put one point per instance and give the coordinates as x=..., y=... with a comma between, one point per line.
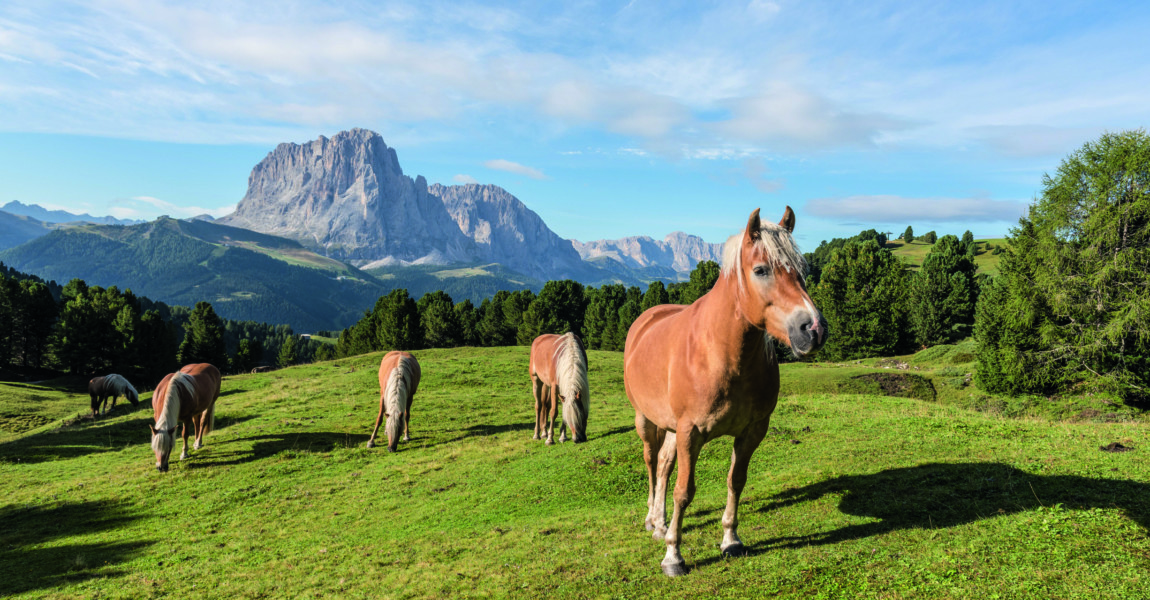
x=170, y=414
x=719, y=315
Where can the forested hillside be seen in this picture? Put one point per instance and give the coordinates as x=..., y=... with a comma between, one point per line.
x=170, y=260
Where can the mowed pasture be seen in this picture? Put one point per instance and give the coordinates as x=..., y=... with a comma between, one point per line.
x=850, y=496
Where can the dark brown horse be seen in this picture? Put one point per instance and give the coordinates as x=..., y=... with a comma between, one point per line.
x=101, y=389
x=398, y=380
x=695, y=373
x=558, y=371
x=187, y=397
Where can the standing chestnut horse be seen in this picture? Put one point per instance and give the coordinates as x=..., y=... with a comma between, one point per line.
x=695, y=373
x=398, y=380
x=559, y=374
x=187, y=397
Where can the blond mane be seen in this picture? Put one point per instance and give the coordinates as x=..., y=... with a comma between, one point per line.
x=775, y=242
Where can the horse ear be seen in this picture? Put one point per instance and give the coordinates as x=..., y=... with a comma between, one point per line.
x=754, y=227
x=788, y=221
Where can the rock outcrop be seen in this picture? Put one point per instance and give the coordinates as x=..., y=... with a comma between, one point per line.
x=348, y=198
x=505, y=231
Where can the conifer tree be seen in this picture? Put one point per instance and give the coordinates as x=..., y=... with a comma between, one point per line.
x=943, y=294
x=862, y=294
x=203, y=338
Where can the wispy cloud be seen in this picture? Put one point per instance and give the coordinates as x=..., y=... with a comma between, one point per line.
x=513, y=167
x=464, y=179
x=148, y=207
x=900, y=209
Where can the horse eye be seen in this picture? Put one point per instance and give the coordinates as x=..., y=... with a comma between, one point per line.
x=760, y=271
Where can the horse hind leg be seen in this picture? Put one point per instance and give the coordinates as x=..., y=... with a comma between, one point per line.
x=552, y=407
x=744, y=448
x=652, y=440
x=667, y=454
x=688, y=446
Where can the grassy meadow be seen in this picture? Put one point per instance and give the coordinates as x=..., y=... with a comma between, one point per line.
x=915, y=252
x=943, y=494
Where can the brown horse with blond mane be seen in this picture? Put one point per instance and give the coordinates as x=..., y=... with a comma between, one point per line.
x=558, y=371
x=188, y=397
x=399, y=375
x=694, y=373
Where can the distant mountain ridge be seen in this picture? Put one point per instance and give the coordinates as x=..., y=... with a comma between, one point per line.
x=347, y=197
x=60, y=216
x=678, y=251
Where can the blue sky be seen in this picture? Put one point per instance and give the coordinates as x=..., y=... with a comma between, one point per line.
x=607, y=119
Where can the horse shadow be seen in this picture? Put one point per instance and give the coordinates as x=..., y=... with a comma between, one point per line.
x=26, y=565
x=271, y=444
x=86, y=437
x=942, y=495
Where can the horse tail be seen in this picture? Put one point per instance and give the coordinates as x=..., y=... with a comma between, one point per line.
x=210, y=419
x=395, y=399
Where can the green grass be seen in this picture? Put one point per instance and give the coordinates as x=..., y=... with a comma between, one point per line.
x=851, y=496
x=915, y=252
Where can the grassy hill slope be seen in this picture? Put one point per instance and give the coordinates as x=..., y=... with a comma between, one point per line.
x=914, y=253
x=851, y=496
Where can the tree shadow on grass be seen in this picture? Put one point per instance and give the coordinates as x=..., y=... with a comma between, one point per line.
x=939, y=496
x=26, y=564
x=84, y=437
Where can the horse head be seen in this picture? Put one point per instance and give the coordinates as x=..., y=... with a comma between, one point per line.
x=162, y=442
x=772, y=293
x=132, y=396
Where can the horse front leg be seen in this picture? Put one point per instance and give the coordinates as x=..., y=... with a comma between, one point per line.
x=189, y=425
x=378, y=422
x=688, y=444
x=667, y=453
x=201, y=428
x=552, y=410
x=95, y=406
x=407, y=422
x=745, y=446
x=537, y=392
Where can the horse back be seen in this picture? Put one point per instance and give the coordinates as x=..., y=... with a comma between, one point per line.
x=159, y=394
x=206, y=381
x=391, y=361
x=542, y=363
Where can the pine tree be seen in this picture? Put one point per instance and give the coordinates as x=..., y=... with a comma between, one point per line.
x=248, y=355
x=288, y=354
x=493, y=328
x=1078, y=274
x=862, y=295
x=943, y=294
x=468, y=317
x=399, y=325
x=908, y=235
x=441, y=327
x=559, y=308
x=931, y=237
x=203, y=338
x=655, y=295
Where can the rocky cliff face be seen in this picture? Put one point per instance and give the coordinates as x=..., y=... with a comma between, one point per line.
x=678, y=251
x=507, y=232
x=348, y=198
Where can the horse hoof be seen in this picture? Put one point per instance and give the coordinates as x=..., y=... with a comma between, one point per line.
x=658, y=533
x=735, y=550
x=371, y=444
x=649, y=526
x=550, y=442
x=674, y=569
x=535, y=437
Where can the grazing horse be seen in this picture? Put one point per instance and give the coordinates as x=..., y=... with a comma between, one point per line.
x=694, y=373
x=101, y=389
x=398, y=380
x=559, y=374
x=187, y=397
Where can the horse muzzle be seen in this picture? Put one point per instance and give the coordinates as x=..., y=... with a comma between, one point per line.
x=807, y=333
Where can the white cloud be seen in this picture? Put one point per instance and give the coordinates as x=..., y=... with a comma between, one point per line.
x=756, y=171
x=148, y=207
x=901, y=209
x=464, y=179
x=513, y=167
